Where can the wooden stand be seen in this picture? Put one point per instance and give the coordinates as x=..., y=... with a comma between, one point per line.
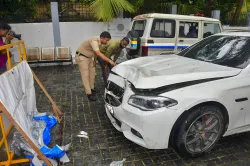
x=27, y=139
x=3, y=110
x=56, y=109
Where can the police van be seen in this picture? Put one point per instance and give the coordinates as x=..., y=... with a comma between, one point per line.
x=154, y=33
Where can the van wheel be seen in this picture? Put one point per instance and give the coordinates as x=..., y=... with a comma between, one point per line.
x=199, y=131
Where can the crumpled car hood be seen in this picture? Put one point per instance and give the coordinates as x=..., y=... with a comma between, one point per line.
x=161, y=70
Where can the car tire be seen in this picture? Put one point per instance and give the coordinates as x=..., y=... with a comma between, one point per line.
x=198, y=131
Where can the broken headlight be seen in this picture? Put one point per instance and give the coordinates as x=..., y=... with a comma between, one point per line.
x=150, y=103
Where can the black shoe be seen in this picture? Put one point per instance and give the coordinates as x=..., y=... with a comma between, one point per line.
x=93, y=91
x=91, y=97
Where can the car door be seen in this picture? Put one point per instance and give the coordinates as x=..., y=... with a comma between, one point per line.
x=189, y=33
x=162, y=36
x=237, y=96
x=246, y=99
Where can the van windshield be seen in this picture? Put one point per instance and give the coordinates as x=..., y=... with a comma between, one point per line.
x=139, y=26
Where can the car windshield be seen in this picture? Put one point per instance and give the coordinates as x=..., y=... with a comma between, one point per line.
x=232, y=51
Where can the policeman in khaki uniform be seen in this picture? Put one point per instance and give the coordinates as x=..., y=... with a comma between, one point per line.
x=114, y=47
x=84, y=58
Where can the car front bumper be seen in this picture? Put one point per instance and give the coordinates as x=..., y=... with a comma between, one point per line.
x=148, y=129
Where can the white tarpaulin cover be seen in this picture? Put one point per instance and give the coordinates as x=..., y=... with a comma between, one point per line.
x=17, y=94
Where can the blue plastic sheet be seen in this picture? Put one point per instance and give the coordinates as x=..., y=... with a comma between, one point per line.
x=29, y=157
x=46, y=136
x=55, y=153
x=50, y=122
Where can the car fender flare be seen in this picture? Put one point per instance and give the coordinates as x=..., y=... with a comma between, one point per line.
x=194, y=105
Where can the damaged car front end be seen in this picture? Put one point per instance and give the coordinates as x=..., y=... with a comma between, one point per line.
x=135, y=114
x=185, y=102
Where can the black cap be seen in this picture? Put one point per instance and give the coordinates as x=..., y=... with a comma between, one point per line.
x=105, y=34
x=126, y=39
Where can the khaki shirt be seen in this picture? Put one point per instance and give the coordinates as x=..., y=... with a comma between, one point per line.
x=88, y=47
x=112, y=48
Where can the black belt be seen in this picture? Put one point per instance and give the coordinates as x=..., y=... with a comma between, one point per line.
x=80, y=54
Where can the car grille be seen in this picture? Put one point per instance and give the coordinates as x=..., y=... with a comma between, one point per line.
x=115, y=97
x=115, y=89
x=112, y=100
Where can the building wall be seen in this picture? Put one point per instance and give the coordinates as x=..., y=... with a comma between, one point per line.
x=72, y=33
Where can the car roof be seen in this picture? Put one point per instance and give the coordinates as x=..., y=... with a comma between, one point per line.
x=235, y=33
x=174, y=16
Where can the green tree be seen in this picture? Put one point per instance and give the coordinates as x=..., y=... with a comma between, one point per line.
x=106, y=10
x=184, y=7
x=240, y=10
x=17, y=10
x=162, y=6
x=237, y=12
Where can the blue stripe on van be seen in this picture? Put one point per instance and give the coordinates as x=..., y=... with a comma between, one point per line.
x=182, y=46
x=169, y=47
x=161, y=47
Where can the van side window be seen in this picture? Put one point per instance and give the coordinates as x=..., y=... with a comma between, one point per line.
x=139, y=26
x=188, y=29
x=163, y=28
x=211, y=29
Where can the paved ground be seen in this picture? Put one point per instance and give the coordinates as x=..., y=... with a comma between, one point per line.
x=105, y=144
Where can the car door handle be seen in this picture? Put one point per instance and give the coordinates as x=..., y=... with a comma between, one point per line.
x=181, y=40
x=241, y=99
x=151, y=41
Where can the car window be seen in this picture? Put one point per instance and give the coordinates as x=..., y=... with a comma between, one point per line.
x=232, y=51
x=139, y=26
x=162, y=28
x=211, y=29
x=188, y=29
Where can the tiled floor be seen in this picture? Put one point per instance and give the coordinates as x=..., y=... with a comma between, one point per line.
x=105, y=144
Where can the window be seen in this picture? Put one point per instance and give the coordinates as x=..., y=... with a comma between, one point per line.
x=210, y=29
x=163, y=28
x=188, y=29
x=139, y=26
x=232, y=51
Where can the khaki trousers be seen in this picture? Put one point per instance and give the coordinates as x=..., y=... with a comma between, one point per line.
x=87, y=70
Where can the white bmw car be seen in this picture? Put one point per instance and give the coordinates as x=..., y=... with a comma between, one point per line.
x=186, y=101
